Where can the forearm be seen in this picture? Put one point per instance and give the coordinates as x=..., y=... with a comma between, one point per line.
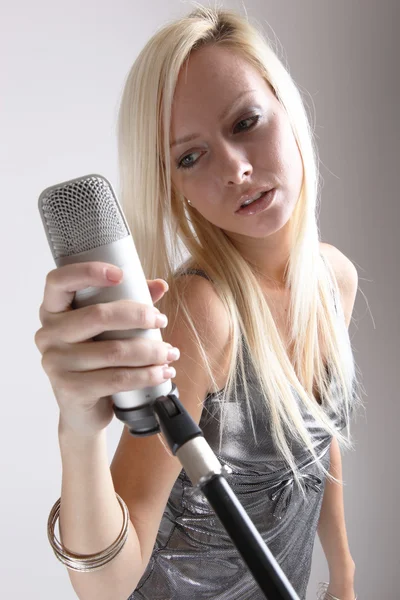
x=91, y=518
x=331, y=526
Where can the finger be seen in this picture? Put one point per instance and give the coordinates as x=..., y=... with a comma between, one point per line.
x=80, y=325
x=157, y=287
x=110, y=381
x=103, y=354
x=63, y=282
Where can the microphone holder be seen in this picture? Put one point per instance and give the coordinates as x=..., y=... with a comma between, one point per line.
x=187, y=442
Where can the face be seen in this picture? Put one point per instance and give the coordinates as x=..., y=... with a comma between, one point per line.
x=250, y=146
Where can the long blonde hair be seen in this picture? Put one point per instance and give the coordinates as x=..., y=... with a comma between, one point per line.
x=164, y=227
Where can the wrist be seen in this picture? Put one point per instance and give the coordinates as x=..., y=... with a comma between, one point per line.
x=343, y=571
x=68, y=432
x=72, y=443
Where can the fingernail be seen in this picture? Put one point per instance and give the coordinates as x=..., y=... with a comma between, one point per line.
x=114, y=274
x=161, y=320
x=173, y=354
x=169, y=372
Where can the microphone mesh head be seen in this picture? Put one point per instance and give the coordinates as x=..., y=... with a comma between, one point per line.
x=80, y=215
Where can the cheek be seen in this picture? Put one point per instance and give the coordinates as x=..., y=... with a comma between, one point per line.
x=197, y=186
x=288, y=163
x=180, y=185
x=271, y=147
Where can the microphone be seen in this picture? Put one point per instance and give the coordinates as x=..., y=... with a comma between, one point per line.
x=84, y=221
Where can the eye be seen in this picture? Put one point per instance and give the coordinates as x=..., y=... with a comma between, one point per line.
x=253, y=120
x=182, y=165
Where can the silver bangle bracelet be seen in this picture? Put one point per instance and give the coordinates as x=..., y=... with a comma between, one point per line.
x=323, y=594
x=86, y=562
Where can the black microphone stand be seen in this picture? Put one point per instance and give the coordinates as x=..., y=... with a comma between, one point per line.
x=187, y=442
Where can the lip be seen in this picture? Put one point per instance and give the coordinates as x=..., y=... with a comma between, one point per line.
x=251, y=194
x=259, y=205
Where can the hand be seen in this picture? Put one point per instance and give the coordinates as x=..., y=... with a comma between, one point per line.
x=83, y=372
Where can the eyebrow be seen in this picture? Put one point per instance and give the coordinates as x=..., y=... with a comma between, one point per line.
x=192, y=136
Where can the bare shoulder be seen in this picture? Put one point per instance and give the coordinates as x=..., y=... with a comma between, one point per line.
x=346, y=276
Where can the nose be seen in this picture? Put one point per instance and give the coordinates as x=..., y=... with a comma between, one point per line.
x=236, y=166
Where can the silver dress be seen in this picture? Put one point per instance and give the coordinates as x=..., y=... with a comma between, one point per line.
x=193, y=557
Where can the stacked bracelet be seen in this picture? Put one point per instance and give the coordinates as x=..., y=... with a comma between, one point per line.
x=86, y=562
x=323, y=594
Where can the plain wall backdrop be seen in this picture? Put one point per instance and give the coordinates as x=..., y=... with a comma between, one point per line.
x=63, y=65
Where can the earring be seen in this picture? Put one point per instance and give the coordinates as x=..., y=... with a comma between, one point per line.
x=189, y=202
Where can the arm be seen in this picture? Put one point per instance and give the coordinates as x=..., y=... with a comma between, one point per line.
x=331, y=525
x=141, y=472
x=91, y=518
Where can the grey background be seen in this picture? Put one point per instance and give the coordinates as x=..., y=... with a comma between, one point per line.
x=63, y=66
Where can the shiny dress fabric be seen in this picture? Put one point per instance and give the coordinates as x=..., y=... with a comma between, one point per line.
x=193, y=557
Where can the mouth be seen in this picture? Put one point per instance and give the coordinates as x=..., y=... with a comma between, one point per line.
x=261, y=203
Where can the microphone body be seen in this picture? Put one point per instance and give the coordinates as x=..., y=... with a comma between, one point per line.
x=81, y=214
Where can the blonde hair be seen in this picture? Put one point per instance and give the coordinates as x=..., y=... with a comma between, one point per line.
x=158, y=216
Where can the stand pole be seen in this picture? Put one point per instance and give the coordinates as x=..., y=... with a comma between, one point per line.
x=186, y=441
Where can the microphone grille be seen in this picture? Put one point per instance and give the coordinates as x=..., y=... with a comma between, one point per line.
x=80, y=215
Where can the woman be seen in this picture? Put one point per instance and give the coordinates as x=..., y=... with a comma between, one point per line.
x=210, y=120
